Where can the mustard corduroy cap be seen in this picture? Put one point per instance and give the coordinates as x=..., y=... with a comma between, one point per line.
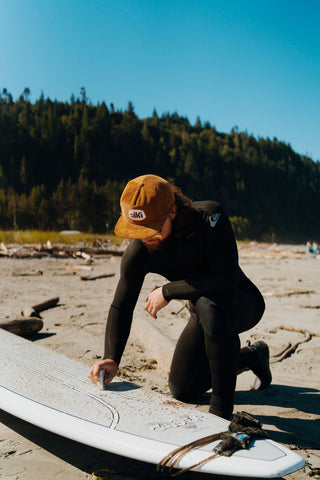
x=145, y=204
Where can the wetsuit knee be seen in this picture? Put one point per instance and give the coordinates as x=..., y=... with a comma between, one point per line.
x=179, y=392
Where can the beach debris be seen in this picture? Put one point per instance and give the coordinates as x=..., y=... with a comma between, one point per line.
x=32, y=273
x=270, y=250
x=314, y=471
x=76, y=268
x=22, y=326
x=35, y=310
x=159, y=345
x=96, y=277
x=290, y=293
x=291, y=348
x=90, y=324
x=3, y=248
x=49, y=249
x=185, y=305
x=294, y=292
x=86, y=256
x=103, y=474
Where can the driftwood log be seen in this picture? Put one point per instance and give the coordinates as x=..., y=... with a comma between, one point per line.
x=36, y=309
x=96, y=277
x=86, y=256
x=59, y=250
x=22, y=326
x=76, y=268
x=289, y=349
x=27, y=274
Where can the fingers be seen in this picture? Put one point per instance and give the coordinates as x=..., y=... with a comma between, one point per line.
x=109, y=366
x=151, y=309
x=155, y=302
x=93, y=374
x=152, y=303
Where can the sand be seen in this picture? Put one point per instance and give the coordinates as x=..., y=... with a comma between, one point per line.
x=289, y=409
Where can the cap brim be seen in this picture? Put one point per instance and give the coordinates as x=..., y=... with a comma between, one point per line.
x=124, y=229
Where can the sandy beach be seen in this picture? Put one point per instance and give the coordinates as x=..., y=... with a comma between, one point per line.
x=289, y=409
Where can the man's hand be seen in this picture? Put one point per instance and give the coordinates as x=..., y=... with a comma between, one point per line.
x=110, y=367
x=155, y=302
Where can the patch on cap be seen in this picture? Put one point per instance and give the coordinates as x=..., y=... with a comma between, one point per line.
x=137, y=215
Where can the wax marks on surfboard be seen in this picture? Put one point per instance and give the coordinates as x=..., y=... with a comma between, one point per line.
x=53, y=388
x=63, y=386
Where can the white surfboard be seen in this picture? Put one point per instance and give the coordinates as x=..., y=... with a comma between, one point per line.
x=51, y=391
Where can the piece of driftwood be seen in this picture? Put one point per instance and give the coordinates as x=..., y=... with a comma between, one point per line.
x=34, y=310
x=27, y=274
x=96, y=277
x=155, y=342
x=75, y=268
x=292, y=348
x=294, y=292
x=86, y=256
x=59, y=250
x=22, y=326
x=3, y=249
x=185, y=305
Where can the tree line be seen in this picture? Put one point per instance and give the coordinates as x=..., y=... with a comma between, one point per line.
x=63, y=165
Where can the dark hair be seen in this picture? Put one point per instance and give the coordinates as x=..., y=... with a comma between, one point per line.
x=182, y=223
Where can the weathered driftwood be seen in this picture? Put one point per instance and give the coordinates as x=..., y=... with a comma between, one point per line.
x=34, y=310
x=22, y=326
x=27, y=274
x=294, y=292
x=292, y=348
x=3, y=249
x=76, y=250
x=86, y=256
x=58, y=250
x=96, y=277
x=76, y=268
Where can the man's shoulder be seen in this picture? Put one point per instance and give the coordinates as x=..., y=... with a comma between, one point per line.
x=210, y=212
x=207, y=207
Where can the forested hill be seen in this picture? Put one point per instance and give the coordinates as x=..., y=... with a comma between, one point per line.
x=63, y=165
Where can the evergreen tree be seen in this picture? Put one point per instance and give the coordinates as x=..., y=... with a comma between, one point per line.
x=63, y=165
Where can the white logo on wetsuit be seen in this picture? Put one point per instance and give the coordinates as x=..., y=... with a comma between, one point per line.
x=213, y=219
x=137, y=215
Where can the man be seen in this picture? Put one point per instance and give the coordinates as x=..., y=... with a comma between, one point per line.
x=193, y=246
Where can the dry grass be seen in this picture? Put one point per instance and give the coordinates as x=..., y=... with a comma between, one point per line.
x=21, y=237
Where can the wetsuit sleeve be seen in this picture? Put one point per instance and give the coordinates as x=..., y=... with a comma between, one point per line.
x=126, y=295
x=221, y=258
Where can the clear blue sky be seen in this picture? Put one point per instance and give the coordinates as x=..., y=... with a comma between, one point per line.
x=251, y=64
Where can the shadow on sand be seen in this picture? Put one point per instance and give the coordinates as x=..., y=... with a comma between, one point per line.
x=296, y=424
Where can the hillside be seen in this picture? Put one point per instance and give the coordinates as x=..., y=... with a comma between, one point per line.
x=63, y=166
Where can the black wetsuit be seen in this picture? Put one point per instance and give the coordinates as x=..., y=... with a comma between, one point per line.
x=202, y=267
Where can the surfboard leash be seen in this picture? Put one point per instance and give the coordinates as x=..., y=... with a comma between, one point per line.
x=243, y=429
